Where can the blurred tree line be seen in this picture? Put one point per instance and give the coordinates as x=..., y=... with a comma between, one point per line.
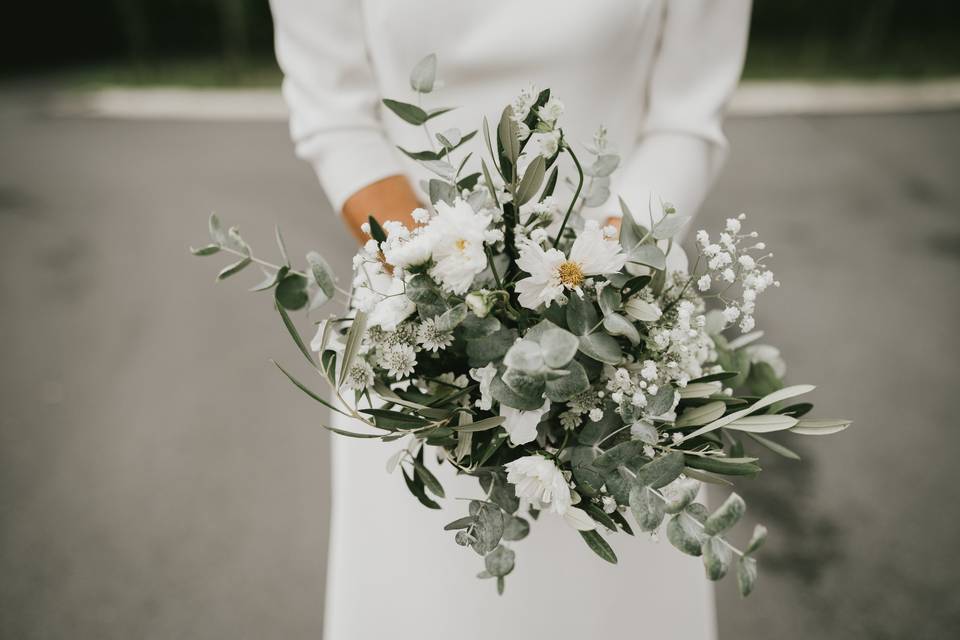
x=802, y=37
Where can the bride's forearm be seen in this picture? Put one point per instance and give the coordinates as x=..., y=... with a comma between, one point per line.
x=389, y=199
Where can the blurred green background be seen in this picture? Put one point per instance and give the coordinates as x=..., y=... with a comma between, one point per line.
x=229, y=42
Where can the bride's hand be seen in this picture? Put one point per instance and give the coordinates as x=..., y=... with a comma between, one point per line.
x=389, y=199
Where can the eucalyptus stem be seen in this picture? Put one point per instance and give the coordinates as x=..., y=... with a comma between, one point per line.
x=576, y=195
x=262, y=263
x=493, y=267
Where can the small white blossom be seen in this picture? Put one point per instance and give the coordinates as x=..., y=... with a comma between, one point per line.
x=596, y=414
x=432, y=336
x=484, y=375
x=540, y=481
x=522, y=425
x=398, y=360
x=704, y=282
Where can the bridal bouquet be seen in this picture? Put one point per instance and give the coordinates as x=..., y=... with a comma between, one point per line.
x=565, y=366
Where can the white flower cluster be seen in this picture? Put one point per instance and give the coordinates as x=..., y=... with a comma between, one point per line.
x=728, y=262
x=450, y=244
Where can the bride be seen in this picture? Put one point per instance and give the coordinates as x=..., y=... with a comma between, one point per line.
x=658, y=75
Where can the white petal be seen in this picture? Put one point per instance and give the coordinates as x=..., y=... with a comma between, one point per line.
x=579, y=520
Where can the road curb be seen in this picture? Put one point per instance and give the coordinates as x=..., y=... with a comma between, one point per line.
x=752, y=99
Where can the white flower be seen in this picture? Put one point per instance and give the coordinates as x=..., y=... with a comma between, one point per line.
x=546, y=143
x=770, y=355
x=704, y=282
x=484, y=375
x=522, y=425
x=731, y=313
x=541, y=482
x=359, y=376
x=388, y=306
x=596, y=414
x=733, y=225
x=458, y=234
x=398, y=360
x=432, y=336
x=641, y=310
x=551, y=111
x=410, y=251
x=551, y=273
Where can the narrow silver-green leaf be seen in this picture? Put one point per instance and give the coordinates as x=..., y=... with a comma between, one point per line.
x=531, y=181
x=236, y=267
x=292, y=330
x=599, y=546
x=308, y=391
x=282, y=245
x=354, y=335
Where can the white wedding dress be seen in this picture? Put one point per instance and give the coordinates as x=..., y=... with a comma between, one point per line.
x=658, y=75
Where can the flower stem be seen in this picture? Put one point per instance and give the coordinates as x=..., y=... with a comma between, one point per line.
x=576, y=194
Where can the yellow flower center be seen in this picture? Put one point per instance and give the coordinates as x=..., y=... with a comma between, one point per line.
x=461, y=245
x=571, y=274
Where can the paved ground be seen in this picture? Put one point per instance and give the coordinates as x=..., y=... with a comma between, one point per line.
x=158, y=479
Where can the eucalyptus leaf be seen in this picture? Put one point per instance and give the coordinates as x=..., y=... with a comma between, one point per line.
x=291, y=292
x=558, y=346
x=617, y=325
x=424, y=74
x=757, y=539
x=488, y=528
x=407, y=112
x=746, y=575
x=726, y=515
x=322, y=273
x=217, y=234
x=649, y=255
x=716, y=557
x=669, y=226
x=499, y=562
x=566, y=387
x=661, y=471
x=234, y=268
x=647, y=507
x=207, y=250
x=515, y=528
x=684, y=531
x=601, y=347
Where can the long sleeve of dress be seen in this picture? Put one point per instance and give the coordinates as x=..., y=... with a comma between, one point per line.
x=332, y=95
x=682, y=145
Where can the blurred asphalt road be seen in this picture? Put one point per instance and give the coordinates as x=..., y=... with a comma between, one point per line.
x=160, y=479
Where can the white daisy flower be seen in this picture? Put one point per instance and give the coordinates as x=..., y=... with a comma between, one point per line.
x=459, y=234
x=552, y=273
